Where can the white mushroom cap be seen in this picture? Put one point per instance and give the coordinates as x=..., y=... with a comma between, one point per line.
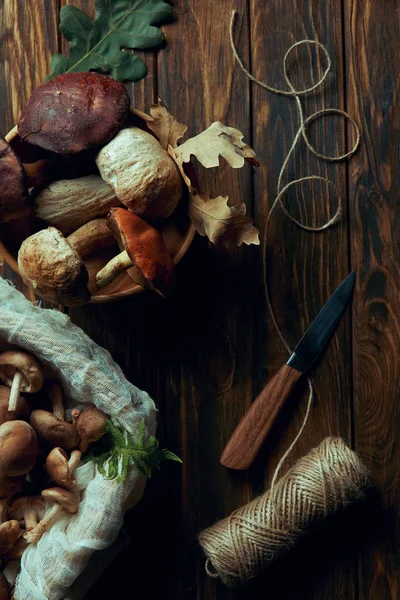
x=53, y=269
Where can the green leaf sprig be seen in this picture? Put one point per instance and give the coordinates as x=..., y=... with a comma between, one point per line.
x=106, y=45
x=117, y=451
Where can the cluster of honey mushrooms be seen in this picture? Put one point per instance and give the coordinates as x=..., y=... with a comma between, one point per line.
x=39, y=453
x=88, y=178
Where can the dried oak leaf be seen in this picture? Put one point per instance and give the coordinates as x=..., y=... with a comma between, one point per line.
x=168, y=130
x=220, y=222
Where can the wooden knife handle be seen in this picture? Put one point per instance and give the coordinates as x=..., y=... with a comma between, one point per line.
x=248, y=437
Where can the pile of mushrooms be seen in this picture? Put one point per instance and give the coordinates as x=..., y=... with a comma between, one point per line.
x=82, y=156
x=39, y=453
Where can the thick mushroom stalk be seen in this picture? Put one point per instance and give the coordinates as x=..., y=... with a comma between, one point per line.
x=142, y=247
x=61, y=469
x=53, y=266
x=22, y=372
x=28, y=509
x=61, y=500
x=54, y=431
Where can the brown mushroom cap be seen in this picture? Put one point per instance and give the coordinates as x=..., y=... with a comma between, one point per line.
x=74, y=112
x=19, y=448
x=9, y=534
x=53, y=430
x=23, y=407
x=53, y=269
x=146, y=249
x=14, y=361
x=91, y=426
x=68, y=500
x=26, y=508
x=58, y=469
x=13, y=186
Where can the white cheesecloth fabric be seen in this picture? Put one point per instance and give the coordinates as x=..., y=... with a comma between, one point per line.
x=87, y=374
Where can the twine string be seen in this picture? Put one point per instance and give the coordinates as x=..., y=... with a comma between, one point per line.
x=281, y=191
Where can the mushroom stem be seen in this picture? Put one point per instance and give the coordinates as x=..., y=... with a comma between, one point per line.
x=74, y=460
x=92, y=236
x=15, y=391
x=56, y=397
x=35, y=534
x=116, y=265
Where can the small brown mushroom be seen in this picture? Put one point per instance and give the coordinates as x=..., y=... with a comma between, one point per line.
x=91, y=426
x=61, y=500
x=9, y=534
x=3, y=587
x=60, y=469
x=53, y=266
x=73, y=112
x=13, y=187
x=22, y=411
x=56, y=398
x=19, y=448
x=28, y=509
x=18, y=549
x=22, y=372
x=70, y=203
x=142, y=247
x=53, y=430
x=143, y=175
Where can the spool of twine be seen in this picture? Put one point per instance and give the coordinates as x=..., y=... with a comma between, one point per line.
x=319, y=485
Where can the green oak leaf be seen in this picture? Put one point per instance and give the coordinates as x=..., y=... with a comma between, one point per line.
x=107, y=45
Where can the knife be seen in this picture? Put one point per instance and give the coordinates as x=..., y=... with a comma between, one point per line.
x=249, y=436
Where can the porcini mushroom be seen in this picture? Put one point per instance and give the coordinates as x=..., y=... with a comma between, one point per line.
x=70, y=203
x=143, y=175
x=9, y=534
x=142, y=247
x=13, y=187
x=19, y=448
x=53, y=430
x=61, y=500
x=22, y=372
x=91, y=425
x=61, y=469
x=22, y=411
x=53, y=266
x=73, y=112
x=28, y=509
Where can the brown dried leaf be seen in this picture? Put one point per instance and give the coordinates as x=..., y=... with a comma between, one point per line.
x=218, y=140
x=221, y=223
x=168, y=130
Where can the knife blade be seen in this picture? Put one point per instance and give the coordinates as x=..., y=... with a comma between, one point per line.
x=250, y=434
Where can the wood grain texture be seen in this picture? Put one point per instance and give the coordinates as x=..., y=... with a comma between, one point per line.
x=302, y=268
x=28, y=37
x=252, y=431
x=373, y=58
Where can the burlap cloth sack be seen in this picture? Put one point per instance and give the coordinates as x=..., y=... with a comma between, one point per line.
x=87, y=374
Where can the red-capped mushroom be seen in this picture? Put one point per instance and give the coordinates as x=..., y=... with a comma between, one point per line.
x=142, y=247
x=22, y=372
x=53, y=266
x=13, y=185
x=74, y=112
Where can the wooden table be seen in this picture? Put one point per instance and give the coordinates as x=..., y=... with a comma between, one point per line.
x=204, y=355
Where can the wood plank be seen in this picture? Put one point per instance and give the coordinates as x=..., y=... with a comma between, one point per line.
x=373, y=58
x=210, y=381
x=303, y=269
x=29, y=37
